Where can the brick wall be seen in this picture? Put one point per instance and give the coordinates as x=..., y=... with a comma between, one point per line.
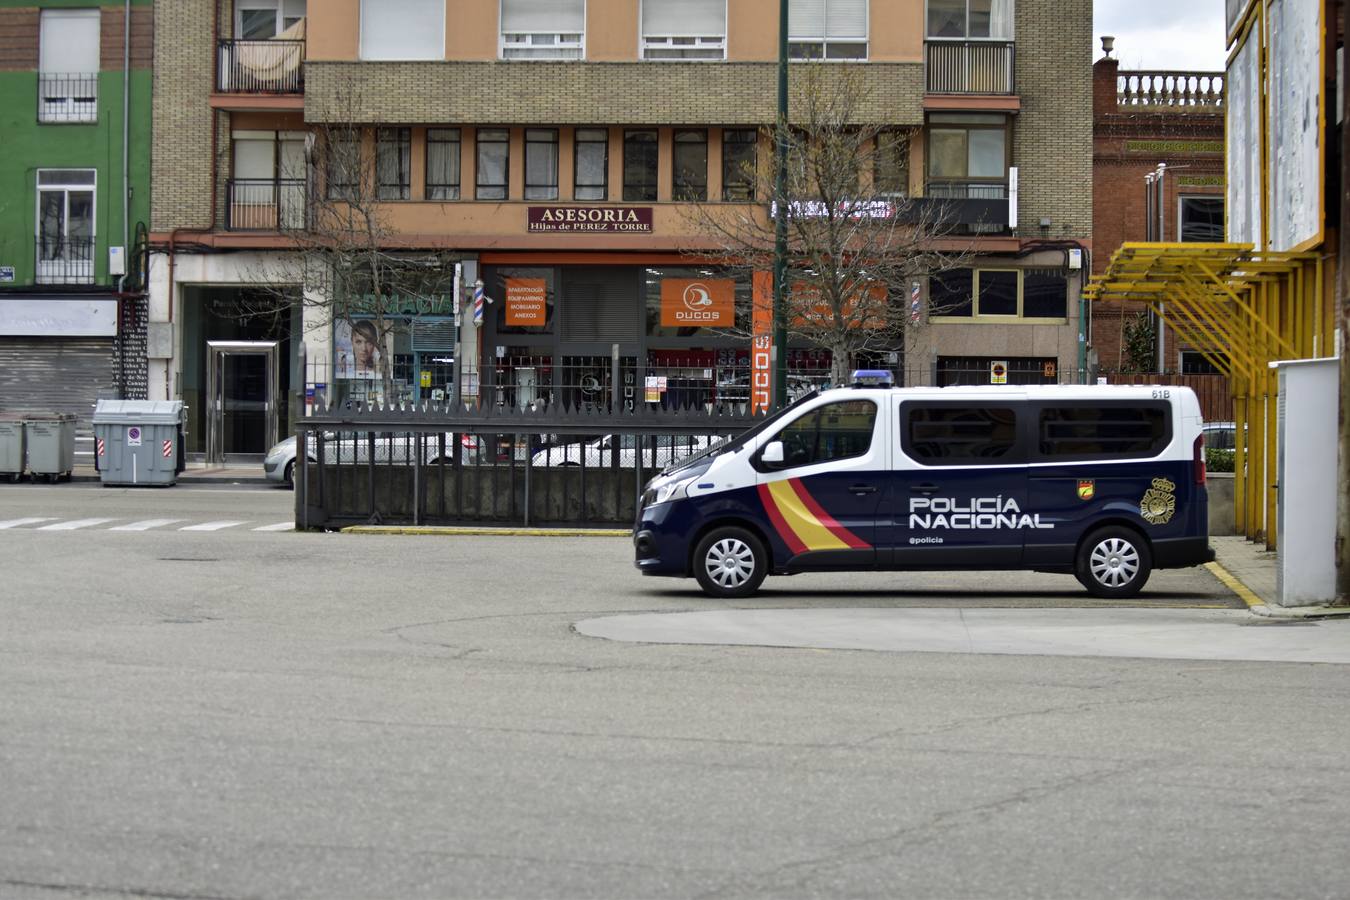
x=183, y=78
x=21, y=29
x=19, y=34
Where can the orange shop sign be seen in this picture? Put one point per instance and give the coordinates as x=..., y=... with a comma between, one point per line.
x=526, y=301
x=687, y=303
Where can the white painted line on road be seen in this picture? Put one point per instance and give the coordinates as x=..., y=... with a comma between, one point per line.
x=213, y=526
x=146, y=525
x=280, y=526
x=19, y=523
x=73, y=524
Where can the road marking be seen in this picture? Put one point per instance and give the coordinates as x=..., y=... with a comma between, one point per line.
x=280, y=526
x=146, y=525
x=213, y=526
x=17, y=523
x=1231, y=581
x=73, y=524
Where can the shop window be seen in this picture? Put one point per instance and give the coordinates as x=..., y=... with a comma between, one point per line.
x=525, y=299
x=443, y=149
x=541, y=164
x=592, y=164
x=890, y=164
x=721, y=297
x=1003, y=294
x=967, y=156
x=970, y=19
x=393, y=163
x=1201, y=220
x=684, y=29
x=827, y=29
x=494, y=148
x=690, y=165
x=542, y=29
x=68, y=64
x=640, y=151
x=738, y=163
x=959, y=435
x=402, y=29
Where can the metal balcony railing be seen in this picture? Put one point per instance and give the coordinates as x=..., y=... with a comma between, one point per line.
x=260, y=67
x=1160, y=91
x=68, y=97
x=970, y=67
x=65, y=259
x=265, y=204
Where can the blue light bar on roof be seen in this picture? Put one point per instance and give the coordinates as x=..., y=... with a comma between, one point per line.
x=873, y=378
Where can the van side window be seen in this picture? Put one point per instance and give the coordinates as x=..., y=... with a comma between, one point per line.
x=1102, y=430
x=960, y=435
x=833, y=431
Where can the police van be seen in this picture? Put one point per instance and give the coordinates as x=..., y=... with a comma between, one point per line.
x=1106, y=483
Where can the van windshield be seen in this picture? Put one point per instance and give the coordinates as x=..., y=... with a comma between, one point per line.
x=741, y=439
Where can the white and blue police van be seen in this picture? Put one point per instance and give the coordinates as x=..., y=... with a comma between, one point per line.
x=1106, y=483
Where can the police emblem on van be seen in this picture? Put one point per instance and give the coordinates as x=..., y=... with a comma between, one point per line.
x=1087, y=490
x=1159, y=502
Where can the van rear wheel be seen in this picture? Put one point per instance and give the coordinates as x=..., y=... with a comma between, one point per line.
x=730, y=562
x=1114, y=563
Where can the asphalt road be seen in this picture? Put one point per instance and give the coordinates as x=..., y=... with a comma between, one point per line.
x=235, y=713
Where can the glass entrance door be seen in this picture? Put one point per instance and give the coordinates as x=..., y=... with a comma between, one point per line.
x=242, y=391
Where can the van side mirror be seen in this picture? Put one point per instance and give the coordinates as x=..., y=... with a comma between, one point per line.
x=773, y=453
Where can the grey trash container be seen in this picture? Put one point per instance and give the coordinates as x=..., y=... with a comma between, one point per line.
x=11, y=446
x=51, y=444
x=138, y=441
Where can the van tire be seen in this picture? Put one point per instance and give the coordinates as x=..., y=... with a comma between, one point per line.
x=730, y=562
x=1114, y=563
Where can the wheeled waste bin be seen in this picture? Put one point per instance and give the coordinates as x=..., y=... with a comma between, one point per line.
x=139, y=441
x=51, y=444
x=12, y=446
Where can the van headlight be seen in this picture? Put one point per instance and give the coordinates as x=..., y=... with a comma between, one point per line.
x=671, y=490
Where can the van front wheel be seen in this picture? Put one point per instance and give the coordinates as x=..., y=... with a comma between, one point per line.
x=730, y=562
x=1114, y=563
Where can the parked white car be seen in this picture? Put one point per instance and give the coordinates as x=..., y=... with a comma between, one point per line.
x=390, y=447
x=601, y=451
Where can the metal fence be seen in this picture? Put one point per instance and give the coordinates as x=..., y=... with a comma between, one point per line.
x=265, y=204
x=68, y=97
x=64, y=259
x=260, y=67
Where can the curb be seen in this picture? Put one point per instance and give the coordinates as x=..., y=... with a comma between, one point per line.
x=500, y=532
x=1259, y=607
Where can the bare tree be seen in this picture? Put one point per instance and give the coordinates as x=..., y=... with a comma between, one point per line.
x=858, y=243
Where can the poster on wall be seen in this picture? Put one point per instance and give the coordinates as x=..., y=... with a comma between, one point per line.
x=356, y=352
x=1294, y=123
x=526, y=302
x=1243, y=133
x=707, y=302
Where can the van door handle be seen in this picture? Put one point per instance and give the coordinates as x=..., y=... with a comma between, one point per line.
x=862, y=488
x=925, y=488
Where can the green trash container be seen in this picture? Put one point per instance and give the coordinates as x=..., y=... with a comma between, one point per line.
x=138, y=441
x=12, y=447
x=51, y=444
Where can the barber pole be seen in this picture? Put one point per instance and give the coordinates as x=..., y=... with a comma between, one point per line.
x=478, y=303
x=914, y=303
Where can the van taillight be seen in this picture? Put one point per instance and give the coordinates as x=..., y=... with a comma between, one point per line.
x=1198, y=460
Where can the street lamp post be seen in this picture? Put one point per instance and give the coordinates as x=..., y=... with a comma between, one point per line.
x=780, y=217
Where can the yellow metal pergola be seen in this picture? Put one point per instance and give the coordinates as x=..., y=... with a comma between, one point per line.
x=1242, y=309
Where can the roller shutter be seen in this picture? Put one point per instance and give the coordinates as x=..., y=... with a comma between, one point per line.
x=60, y=375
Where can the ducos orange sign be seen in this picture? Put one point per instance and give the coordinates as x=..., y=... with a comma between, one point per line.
x=687, y=303
x=526, y=301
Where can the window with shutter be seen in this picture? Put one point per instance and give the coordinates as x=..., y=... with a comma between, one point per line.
x=402, y=29
x=827, y=29
x=68, y=60
x=543, y=29
x=684, y=29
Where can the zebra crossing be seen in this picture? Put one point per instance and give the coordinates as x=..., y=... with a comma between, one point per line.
x=51, y=523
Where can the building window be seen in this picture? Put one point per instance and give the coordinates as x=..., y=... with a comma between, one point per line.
x=260, y=20
x=541, y=164
x=967, y=156
x=68, y=61
x=592, y=164
x=65, y=226
x=267, y=190
x=890, y=164
x=343, y=164
x=1194, y=362
x=827, y=29
x=640, y=149
x=970, y=19
x=543, y=29
x=1032, y=294
x=690, y=165
x=393, y=163
x=443, y=163
x=684, y=29
x=402, y=29
x=1201, y=220
x=494, y=150
x=738, y=163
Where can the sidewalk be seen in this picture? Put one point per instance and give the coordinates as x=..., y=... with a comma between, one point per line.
x=1249, y=570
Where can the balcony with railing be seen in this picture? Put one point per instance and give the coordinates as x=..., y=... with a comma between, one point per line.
x=265, y=204
x=68, y=97
x=970, y=207
x=1170, y=92
x=969, y=67
x=271, y=66
x=64, y=259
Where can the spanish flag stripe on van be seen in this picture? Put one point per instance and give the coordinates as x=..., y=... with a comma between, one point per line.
x=779, y=525
x=826, y=519
x=801, y=522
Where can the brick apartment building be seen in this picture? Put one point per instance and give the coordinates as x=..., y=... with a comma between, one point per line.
x=487, y=118
x=1143, y=123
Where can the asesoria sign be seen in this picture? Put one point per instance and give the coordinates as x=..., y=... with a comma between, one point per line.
x=614, y=219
